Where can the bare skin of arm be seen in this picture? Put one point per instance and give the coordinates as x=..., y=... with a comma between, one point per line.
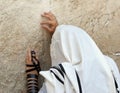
x=50, y=23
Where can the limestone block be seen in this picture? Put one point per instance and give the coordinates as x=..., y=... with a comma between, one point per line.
x=20, y=30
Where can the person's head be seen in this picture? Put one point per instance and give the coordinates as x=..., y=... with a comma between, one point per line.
x=65, y=46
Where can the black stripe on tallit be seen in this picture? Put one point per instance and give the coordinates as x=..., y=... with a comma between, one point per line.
x=59, y=70
x=79, y=84
x=57, y=77
x=62, y=68
x=116, y=85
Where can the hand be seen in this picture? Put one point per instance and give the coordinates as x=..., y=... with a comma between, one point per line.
x=51, y=23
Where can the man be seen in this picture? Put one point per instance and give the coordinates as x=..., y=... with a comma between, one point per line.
x=80, y=66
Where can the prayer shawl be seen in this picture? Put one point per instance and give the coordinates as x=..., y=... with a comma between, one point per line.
x=83, y=68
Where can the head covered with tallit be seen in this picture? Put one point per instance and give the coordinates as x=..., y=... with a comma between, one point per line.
x=73, y=45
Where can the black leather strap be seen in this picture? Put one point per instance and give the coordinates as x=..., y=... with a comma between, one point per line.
x=35, y=65
x=32, y=83
x=32, y=76
x=32, y=80
x=29, y=70
x=29, y=65
x=33, y=89
x=35, y=62
x=35, y=83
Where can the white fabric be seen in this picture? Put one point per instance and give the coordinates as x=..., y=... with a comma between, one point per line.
x=68, y=67
x=71, y=44
x=70, y=80
x=114, y=70
x=43, y=89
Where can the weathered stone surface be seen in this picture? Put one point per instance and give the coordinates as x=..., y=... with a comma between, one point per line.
x=20, y=29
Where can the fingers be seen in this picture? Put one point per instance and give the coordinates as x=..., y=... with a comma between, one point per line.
x=49, y=26
x=47, y=22
x=46, y=27
x=28, y=56
x=51, y=23
x=49, y=15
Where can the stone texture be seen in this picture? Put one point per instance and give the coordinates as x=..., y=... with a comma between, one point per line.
x=20, y=29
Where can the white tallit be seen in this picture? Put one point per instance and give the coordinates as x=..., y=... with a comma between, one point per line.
x=72, y=45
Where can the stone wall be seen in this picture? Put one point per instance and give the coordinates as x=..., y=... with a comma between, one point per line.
x=20, y=30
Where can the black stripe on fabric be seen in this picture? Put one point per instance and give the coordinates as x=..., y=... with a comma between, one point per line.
x=58, y=69
x=79, y=84
x=57, y=77
x=62, y=68
x=116, y=85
